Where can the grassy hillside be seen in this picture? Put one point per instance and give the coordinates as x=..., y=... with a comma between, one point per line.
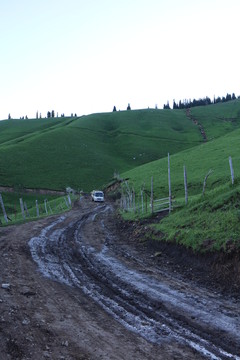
x=218, y=119
x=14, y=131
x=208, y=221
x=54, y=204
x=84, y=152
x=199, y=160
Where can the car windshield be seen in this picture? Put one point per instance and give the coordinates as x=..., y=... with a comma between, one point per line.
x=99, y=194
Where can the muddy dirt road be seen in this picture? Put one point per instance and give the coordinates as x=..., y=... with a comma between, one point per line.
x=72, y=287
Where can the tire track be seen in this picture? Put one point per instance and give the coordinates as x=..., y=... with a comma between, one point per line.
x=153, y=307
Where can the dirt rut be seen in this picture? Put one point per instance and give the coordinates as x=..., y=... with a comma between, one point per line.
x=85, y=255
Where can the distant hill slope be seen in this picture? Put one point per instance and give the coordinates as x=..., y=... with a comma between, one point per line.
x=218, y=119
x=84, y=152
x=16, y=130
x=213, y=155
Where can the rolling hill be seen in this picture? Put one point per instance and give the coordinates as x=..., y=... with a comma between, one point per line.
x=84, y=152
x=209, y=222
x=213, y=155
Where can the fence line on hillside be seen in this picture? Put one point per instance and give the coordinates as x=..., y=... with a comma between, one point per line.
x=46, y=210
x=145, y=202
x=128, y=198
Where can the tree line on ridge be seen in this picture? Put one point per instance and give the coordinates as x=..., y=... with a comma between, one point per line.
x=185, y=104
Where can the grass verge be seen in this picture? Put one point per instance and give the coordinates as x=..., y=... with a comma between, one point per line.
x=47, y=205
x=207, y=223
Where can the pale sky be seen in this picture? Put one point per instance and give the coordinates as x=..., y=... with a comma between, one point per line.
x=85, y=56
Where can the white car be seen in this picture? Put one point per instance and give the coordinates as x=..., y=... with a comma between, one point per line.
x=97, y=195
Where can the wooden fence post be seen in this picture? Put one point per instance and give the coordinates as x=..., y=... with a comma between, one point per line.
x=169, y=184
x=3, y=209
x=26, y=209
x=138, y=205
x=185, y=184
x=22, y=208
x=231, y=169
x=37, y=208
x=142, y=200
x=152, y=194
x=49, y=207
x=66, y=202
x=205, y=181
x=45, y=205
x=134, y=204
x=69, y=200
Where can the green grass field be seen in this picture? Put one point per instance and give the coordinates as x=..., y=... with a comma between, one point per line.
x=199, y=160
x=218, y=119
x=207, y=223
x=84, y=152
x=54, y=204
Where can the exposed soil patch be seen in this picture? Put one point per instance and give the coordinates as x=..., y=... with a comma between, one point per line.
x=196, y=122
x=216, y=271
x=85, y=285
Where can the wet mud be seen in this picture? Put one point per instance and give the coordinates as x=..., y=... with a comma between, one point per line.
x=161, y=307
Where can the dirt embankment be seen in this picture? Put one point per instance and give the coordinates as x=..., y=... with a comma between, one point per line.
x=216, y=270
x=85, y=285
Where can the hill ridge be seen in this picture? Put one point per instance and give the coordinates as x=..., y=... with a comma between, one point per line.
x=84, y=152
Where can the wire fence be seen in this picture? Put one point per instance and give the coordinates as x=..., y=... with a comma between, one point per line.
x=34, y=210
x=144, y=202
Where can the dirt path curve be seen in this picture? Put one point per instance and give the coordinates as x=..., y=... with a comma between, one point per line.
x=80, y=291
